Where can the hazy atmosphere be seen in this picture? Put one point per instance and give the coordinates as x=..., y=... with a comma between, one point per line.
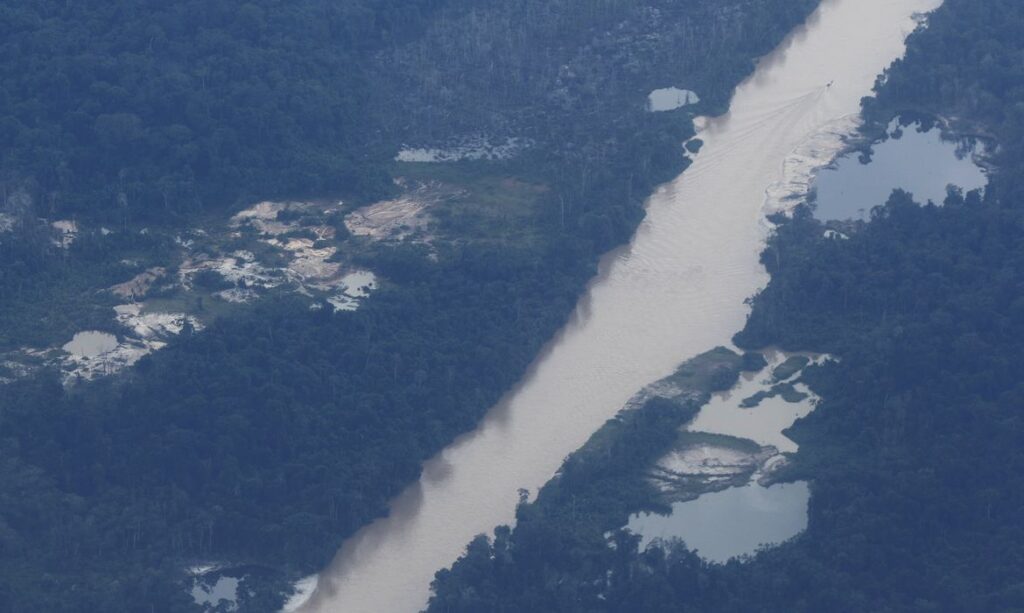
x=458, y=306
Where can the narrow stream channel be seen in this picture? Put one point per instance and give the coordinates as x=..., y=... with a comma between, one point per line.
x=677, y=290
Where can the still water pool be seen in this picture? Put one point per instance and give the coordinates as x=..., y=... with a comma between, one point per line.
x=913, y=156
x=732, y=522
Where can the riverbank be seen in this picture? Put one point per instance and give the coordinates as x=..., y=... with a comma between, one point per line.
x=675, y=291
x=274, y=433
x=915, y=447
x=635, y=482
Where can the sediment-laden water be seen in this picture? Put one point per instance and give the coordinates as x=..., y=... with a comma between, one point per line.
x=676, y=290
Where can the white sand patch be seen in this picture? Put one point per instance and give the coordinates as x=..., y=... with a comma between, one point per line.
x=263, y=217
x=403, y=217
x=93, y=354
x=311, y=267
x=237, y=295
x=800, y=167
x=149, y=326
x=304, y=589
x=294, y=245
x=708, y=460
x=265, y=211
x=395, y=219
x=24, y=361
x=16, y=369
x=202, y=569
x=67, y=231
x=139, y=285
x=324, y=233
x=473, y=148
x=308, y=267
x=342, y=302
x=240, y=268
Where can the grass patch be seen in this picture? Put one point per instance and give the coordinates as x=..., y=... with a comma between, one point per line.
x=495, y=203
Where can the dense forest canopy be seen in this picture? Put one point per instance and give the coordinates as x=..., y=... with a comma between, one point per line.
x=165, y=107
x=157, y=108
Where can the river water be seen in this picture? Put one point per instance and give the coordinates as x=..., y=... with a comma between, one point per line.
x=676, y=290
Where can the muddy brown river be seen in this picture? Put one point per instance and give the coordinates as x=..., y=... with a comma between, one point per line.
x=676, y=290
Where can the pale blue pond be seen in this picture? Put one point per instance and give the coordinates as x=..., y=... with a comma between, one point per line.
x=732, y=522
x=670, y=98
x=221, y=590
x=911, y=158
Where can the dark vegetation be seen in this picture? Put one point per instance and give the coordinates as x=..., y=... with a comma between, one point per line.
x=917, y=449
x=268, y=438
x=754, y=361
x=47, y=293
x=225, y=105
x=153, y=109
x=788, y=392
x=573, y=77
x=790, y=367
x=145, y=112
x=559, y=540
